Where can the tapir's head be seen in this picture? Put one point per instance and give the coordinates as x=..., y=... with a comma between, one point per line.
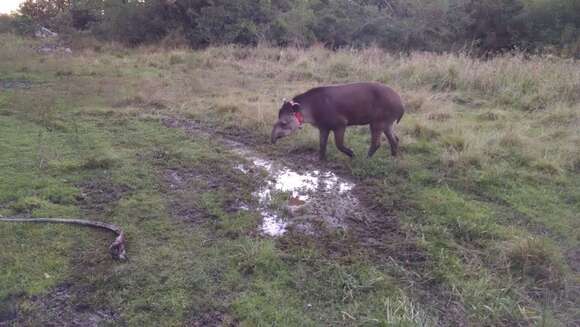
x=289, y=120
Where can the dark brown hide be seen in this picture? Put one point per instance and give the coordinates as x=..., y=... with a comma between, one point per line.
x=333, y=108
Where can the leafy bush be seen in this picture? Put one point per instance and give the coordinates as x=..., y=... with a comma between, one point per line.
x=487, y=26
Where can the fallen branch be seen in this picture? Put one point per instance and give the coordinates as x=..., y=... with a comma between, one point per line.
x=117, y=248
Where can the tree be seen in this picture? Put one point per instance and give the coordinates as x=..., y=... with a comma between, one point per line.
x=43, y=11
x=494, y=24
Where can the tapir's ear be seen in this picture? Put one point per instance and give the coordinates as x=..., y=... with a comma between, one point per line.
x=295, y=105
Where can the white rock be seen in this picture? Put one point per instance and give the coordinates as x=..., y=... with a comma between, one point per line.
x=44, y=32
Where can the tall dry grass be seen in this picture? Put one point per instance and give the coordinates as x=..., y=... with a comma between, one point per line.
x=508, y=106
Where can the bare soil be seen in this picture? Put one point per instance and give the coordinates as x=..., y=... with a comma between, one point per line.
x=181, y=194
x=573, y=258
x=212, y=319
x=98, y=195
x=61, y=308
x=15, y=84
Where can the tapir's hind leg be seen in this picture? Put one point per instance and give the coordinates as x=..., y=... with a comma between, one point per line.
x=393, y=139
x=376, y=130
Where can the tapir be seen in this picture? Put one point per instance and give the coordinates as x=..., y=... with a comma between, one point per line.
x=334, y=108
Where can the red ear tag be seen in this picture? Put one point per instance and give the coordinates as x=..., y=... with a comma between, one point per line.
x=299, y=117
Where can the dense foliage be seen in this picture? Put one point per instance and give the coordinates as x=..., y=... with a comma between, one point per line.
x=434, y=25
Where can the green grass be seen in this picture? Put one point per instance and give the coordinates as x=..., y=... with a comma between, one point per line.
x=177, y=271
x=487, y=187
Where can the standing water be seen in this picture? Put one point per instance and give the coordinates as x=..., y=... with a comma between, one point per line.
x=314, y=197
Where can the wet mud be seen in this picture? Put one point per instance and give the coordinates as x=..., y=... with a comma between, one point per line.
x=15, y=84
x=573, y=259
x=180, y=185
x=62, y=308
x=212, y=319
x=99, y=195
x=305, y=198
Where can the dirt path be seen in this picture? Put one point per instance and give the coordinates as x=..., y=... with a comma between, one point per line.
x=317, y=197
x=318, y=203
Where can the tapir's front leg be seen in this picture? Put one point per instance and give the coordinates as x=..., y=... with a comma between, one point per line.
x=339, y=141
x=376, y=131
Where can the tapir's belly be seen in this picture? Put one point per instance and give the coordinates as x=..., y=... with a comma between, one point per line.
x=360, y=116
x=359, y=121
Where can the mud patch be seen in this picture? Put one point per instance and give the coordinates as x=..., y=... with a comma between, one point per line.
x=180, y=183
x=98, y=195
x=185, y=187
x=454, y=312
x=307, y=199
x=139, y=102
x=212, y=319
x=312, y=199
x=8, y=310
x=61, y=308
x=179, y=178
x=15, y=84
x=233, y=137
x=573, y=258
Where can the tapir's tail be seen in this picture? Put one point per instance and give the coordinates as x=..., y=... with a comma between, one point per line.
x=401, y=116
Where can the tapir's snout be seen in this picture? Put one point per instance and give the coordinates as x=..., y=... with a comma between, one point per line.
x=285, y=126
x=279, y=132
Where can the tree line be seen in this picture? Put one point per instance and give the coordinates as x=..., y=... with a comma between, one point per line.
x=485, y=26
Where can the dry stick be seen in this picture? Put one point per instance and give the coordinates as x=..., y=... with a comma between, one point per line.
x=117, y=248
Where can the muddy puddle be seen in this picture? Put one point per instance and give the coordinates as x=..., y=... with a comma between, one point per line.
x=305, y=201
x=301, y=200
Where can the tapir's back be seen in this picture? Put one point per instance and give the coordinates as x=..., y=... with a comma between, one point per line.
x=356, y=104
